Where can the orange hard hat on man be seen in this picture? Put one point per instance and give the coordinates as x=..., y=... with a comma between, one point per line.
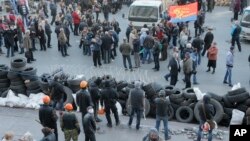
x=68, y=107
x=83, y=84
x=46, y=99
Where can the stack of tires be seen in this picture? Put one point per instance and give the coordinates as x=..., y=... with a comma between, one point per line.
x=4, y=81
x=235, y=99
x=14, y=75
x=29, y=76
x=74, y=83
x=123, y=92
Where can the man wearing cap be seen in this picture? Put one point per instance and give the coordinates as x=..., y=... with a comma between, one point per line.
x=126, y=49
x=162, y=110
x=109, y=97
x=69, y=123
x=229, y=65
x=137, y=103
x=47, y=115
x=89, y=125
x=83, y=98
x=209, y=37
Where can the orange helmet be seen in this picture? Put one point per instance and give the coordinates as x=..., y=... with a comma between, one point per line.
x=68, y=107
x=46, y=99
x=83, y=84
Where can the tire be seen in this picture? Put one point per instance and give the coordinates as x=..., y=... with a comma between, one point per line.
x=215, y=96
x=242, y=108
x=149, y=91
x=175, y=106
x=169, y=89
x=184, y=114
x=32, y=85
x=187, y=102
x=189, y=93
x=121, y=85
x=5, y=80
x=218, y=110
x=16, y=83
x=176, y=94
x=75, y=82
x=35, y=91
x=29, y=73
x=3, y=71
x=226, y=102
x=157, y=87
x=69, y=97
x=18, y=63
x=177, y=100
x=228, y=111
x=192, y=105
x=12, y=74
x=4, y=85
x=238, y=98
x=18, y=87
x=247, y=102
x=237, y=91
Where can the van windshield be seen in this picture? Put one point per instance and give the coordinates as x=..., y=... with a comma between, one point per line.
x=143, y=13
x=246, y=17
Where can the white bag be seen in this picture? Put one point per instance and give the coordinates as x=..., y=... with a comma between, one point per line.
x=119, y=108
x=237, y=117
x=198, y=93
x=236, y=86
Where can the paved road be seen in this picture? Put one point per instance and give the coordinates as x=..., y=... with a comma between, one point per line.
x=20, y=120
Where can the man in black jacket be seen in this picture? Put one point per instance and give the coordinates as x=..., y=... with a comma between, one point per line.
x=206, y=111
x=156, y=52
x=209, y=37
x=83, y=98
x=57, y=94
x=162, y=109
x=9, y=35
x=47, y=115
x=95, y=96
x=198, y=45
x=137, y=103
x=48, y=32
x=109, y=97
x=236, y=35
x=107, y=42
x=174, y=67
x=89, y=125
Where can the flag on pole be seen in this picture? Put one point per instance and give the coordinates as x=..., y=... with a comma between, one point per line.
x=183, y=13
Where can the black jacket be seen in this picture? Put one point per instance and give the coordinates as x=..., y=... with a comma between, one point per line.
x=83, y=100
x=237, y=31
x=94, y=92
x=197, y=43
x=48, y=29
x=162, y=106
x=57, y=91
x=175, y=68
x=69, y=121
x=209, y=37
x=9, y=37
x=249, y=58
x=137, y=96
x=107, y=41
x=47, y=116
x=109, y=97
x=206, y=113
x=89, y=125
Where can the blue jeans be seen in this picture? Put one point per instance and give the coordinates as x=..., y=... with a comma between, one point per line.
x=145, y=54
x=10, y=50
x=58, y=105
x=165, y=123
x=228, y=75
x=138, y=117
x=210, y=135
x=167, y=76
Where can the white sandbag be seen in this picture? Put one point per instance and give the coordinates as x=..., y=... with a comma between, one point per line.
x=119, y=108
x=77, y=107
x=237, y=117
x=80, y=77
x=11, y=99
x=198, y=93
x=2, y=101
x=236, y=86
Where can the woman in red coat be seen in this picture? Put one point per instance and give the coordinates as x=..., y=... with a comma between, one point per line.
x=76, y=19
x=212, y=57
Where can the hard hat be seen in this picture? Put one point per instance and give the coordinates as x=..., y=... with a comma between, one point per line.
x=83, y=84
x=46, y=99
x=68, y=107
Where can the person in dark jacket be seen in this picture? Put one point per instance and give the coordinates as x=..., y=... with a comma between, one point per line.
x=206, y=112
x=53, y=10
x=174, y=67
x=89, y=125
x=8, y=35
x=147, y=46
x=199, y=23
x=41, y=37
x=136, y=49
x=162, y=109
x=209, y=37
x=96, y=49
x=236, y=8
x=83, y=99
x=48, y=32
x=107, y=42
x=109, y=97
x=69, y=123
x=236, y=30
x=198, y=45
x=156, y=52
x=137, y=103
x=95, y=96
x=126, y=50
x=106, y=10
x=57, y=94
x=49, y=134
x=47, y=116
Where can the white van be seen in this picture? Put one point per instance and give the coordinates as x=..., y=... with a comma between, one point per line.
x=245, y=24
x=146, y=12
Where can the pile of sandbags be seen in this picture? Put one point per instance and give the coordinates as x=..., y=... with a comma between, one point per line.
x=223, y=2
